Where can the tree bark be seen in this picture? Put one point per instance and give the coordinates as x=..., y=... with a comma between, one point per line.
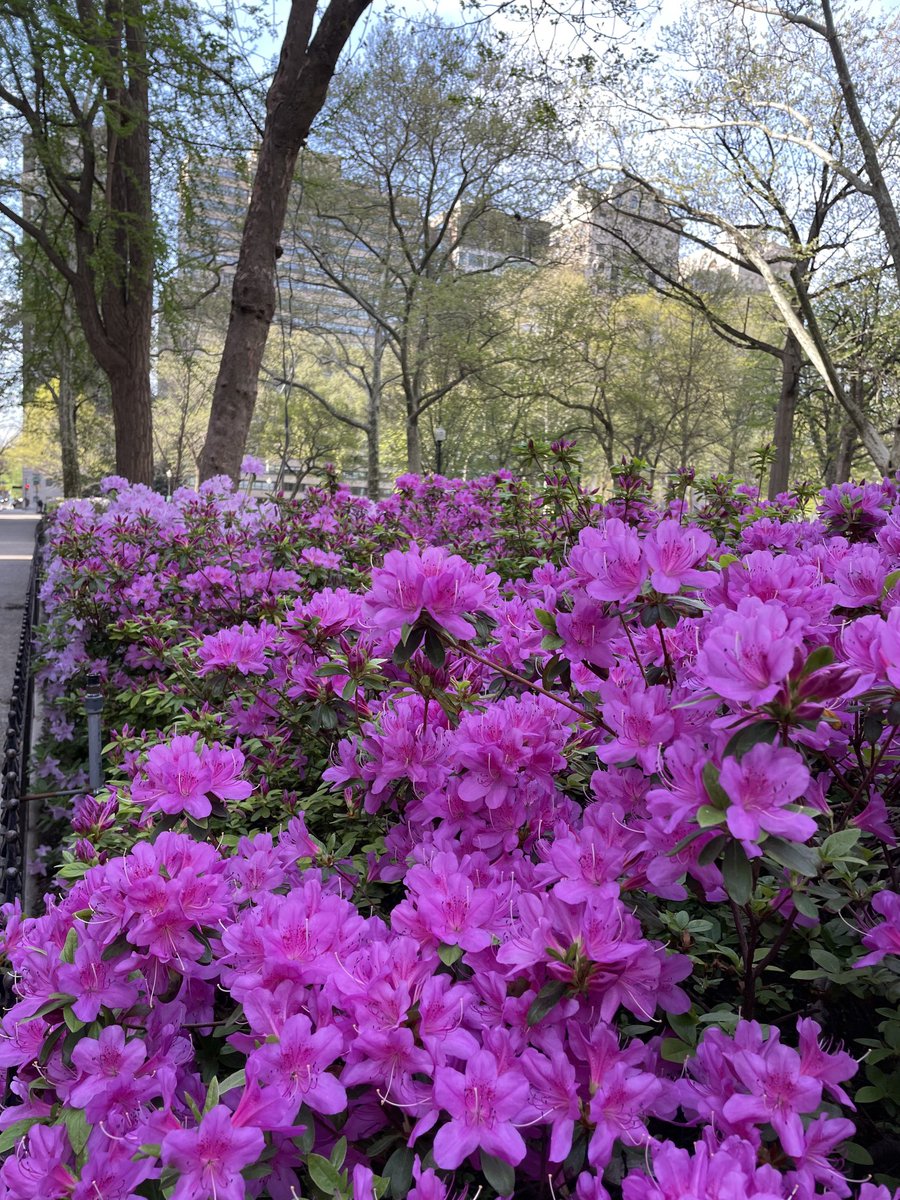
x=126, y=299
x=295, y=97
x=373, y=420
x=887, y=213
x=413, y=445
x=132, y=407
x=68, y=433
x=843, y=462
x=791, y=364
x=104, y=252
x=373, y=457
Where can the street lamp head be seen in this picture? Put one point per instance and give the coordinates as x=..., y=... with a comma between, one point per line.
x=168, y=473
x=440, y=434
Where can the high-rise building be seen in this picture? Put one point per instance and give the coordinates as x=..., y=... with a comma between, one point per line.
x=619, y=235
x=338, y=230
x=713, y=266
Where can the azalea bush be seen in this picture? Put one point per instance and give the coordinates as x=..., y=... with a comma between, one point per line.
x=495, y=839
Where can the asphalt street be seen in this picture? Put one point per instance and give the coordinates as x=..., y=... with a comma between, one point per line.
x=16, y=547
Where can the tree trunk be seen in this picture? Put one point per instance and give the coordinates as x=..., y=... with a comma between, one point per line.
x=843, y=462
x=373, y=421
x=888, y=218
x=791, y=364
x=132, y=418
x=296, y=95
x=126, y=301
x=373, y=457
x=413, y=445
x=68, y=434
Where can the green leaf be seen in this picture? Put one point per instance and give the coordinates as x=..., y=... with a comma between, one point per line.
x=839, y=844
x=851, y=1152
x=685, y=841
x=307, y=1139
x=449, y=954
x=67, y=954
x=9, y=1137
x=869, y=1095
x=546, y=1000
x=674, y=1050
x=499, y=1174
x=712, y=850
x=77, y=1127
x=748, y=737
x=667, y=616
x=576, y=1156
x=827, y=961
x=737, y=873
x=889, y=582
x=434, y=649
x=323, y=1175
x=407, y=647
x=72, y=1022
x=718, y=797
x=545, y=619
x=684, y=1025
x=803, y=860
x=57, y=1001
x=707, y=816
x=398, y=1171
x=821, y=657
x=805, y=906
x=50, y=1043
x=339, y=1153
x=212, y=1095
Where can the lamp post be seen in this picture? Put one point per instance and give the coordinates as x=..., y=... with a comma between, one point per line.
x=440, y=435
x=168, y=483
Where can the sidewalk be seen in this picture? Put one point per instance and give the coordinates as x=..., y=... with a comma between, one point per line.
x=16, y=548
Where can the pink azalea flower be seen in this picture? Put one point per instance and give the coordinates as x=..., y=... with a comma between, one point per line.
x=778, y=1093
x=883, y=939
x=40, y=1168
x=443, y=585
x=859, y=577
x=609, y=562
x=759, y=786
x=210, y=1158
x=240, y=646
x=746, y=655
x=482, y=1104
x=673, y=553
x=586, y=632
x=95, y=982
x=727, y=1172
x=297, y=1065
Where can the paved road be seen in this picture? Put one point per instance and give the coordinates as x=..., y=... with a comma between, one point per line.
x=16, y=546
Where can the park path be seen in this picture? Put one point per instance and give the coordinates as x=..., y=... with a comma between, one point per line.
x=16, y=549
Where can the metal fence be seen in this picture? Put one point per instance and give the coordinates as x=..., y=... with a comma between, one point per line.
x=18, y=744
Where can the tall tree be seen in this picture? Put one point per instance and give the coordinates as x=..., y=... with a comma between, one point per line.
x=439, y=150
x=309, y=55
x=872, y=123
x=77, y=79
x=748, y=143
x=94, y=91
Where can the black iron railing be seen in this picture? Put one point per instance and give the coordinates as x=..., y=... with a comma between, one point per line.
x=18, y=744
